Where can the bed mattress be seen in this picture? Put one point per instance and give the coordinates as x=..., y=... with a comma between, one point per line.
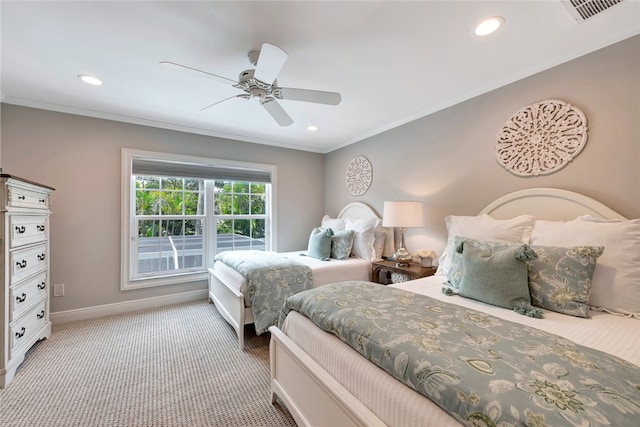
x=396, y=404
x=324, y=272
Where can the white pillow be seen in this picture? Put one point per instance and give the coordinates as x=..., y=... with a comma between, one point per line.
x=483, y=227
x=380, y=234
x=336, y=224
x=615, y=286
x=363, y=242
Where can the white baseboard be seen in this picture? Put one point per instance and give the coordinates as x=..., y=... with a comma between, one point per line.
x=125, y=307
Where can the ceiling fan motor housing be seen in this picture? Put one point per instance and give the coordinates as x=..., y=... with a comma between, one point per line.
x=255, y=88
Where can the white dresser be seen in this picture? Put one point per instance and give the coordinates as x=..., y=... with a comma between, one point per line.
x=24, y=243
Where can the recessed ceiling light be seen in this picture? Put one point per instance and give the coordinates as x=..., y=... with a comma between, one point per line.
x=488, y=26
x=312, y=128
x=90, y=79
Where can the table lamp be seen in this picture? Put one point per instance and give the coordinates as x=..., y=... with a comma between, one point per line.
x=402, y=214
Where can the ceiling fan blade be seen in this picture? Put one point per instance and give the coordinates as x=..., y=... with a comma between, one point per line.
x=277, y=112
x=305, y=95
x=175, y=66
x=218, y=102
x=270, y=62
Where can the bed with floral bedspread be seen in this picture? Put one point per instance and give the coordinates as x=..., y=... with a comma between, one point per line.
x=481, y=369
x=271, y=278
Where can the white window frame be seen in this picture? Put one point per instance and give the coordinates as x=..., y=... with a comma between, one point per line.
x=128, y=201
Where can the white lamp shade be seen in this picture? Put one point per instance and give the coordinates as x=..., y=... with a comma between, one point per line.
x=402, y=214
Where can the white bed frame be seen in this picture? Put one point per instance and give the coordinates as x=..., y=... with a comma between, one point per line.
x=315, y=398
x=230, y=302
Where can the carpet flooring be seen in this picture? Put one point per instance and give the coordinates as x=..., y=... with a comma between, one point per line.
x=177, y=365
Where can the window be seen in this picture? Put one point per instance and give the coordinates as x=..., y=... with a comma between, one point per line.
x=179, y=211
x=240, y=211
x=169, y=225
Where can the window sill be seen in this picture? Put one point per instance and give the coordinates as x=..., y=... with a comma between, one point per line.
x=163, y=281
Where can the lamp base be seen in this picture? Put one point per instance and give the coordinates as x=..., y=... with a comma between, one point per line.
x=402, y=257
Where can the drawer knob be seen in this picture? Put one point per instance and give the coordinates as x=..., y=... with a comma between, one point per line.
x=21, y=197
x=20, y=229
x=21, y=333
x=40, y=227
x=21, y=264
x=41, y=257
x=40, y=315
x=42, y=285
x=41, y=200
x=22, y=298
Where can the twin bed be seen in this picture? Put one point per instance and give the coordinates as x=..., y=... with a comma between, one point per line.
x=323, y=381
x=228, y=288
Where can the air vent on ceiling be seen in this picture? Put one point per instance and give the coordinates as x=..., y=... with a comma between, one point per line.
x=582, y=10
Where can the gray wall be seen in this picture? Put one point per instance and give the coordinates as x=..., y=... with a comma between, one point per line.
x=447, y=160
x=80, y=157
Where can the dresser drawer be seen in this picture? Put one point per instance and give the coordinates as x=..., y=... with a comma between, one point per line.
x=26, y=229
x=23, y=296
x=26, y=326
x=20, y=197
x=26, y=262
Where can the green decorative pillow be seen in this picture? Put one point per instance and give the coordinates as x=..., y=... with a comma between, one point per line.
x=456, y=269
x=497, y=277
x=341, y=244
x=560, y=278
x=320, y=243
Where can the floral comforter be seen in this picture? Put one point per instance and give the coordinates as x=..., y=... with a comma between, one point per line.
x=482, y=370
x=271, y=278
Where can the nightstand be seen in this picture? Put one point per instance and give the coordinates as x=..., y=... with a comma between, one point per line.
x=414, y=270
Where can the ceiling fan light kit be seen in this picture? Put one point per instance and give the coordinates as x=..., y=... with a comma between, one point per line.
x=261, y=84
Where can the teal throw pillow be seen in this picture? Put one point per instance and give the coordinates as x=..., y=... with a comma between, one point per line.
x=560, y=278
x=320, y=243
x=456, y=269
x=497, y=277
x=341, y=244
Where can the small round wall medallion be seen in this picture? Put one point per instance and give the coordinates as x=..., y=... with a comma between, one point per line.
x=541, y=138
x=359, y=175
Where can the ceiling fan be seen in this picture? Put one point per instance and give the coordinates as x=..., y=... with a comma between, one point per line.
x=261, y=84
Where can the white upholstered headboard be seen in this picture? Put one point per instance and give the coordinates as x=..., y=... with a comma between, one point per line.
x=358, y=210
x=362, y=210
x=549, y=204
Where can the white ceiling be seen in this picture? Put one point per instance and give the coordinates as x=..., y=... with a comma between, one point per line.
x=392, y=61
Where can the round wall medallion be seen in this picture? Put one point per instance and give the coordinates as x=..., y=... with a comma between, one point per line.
x=541, y=138
x=358, y=175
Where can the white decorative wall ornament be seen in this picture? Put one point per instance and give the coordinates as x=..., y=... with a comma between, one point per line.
x=541, y=138
x=359, y=175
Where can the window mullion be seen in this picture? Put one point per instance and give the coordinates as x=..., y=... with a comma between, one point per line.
x=210, y=221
